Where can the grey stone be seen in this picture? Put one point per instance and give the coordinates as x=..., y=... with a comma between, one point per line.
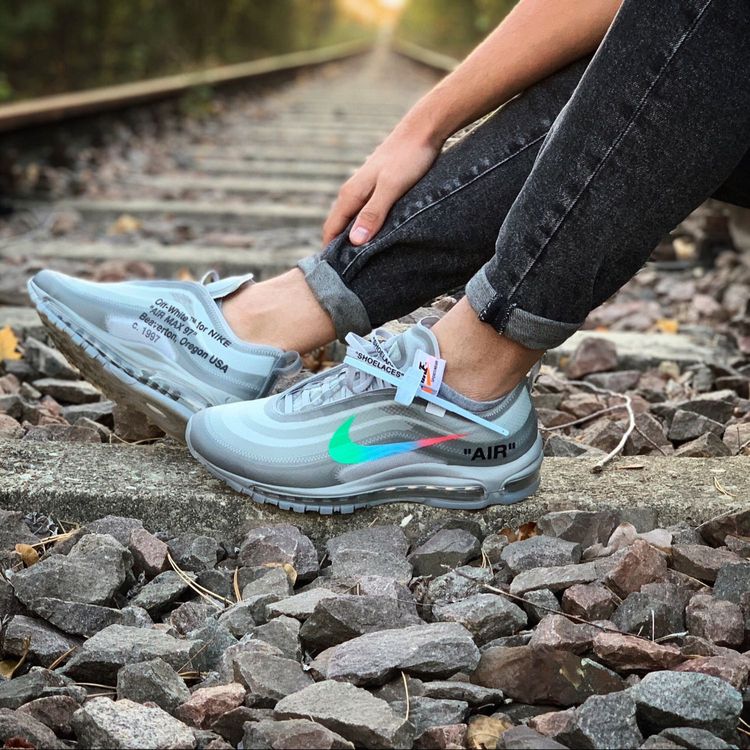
x=351, y=565
x=718, y=620
x=14, y=531
x=338, y=619
x=195, y=552
x=448, y=548
x=269, y=678
x=606, y=721
x=584, y=527
x=48, y=361
x=591, y=601
x=375, y=539
x=99, y=412
x=100, y=657
x=732, y=581
x=45, y=643
x=283, y=633
x=192, y=615
x=154, y=681
x=280, y=544
x=91, y=573
x=457, y=585
x=136, y=617
x=538, y=604
x=68, y=391
x=149, y=553
x=646, y=615
x=558, y=446
x=15, y=725
x=700, y=561
x=231, y=655
x=485, y=616
x=239, y=619
x=540, y=551
x=526, y=738
x=231, y=725
x=14, y=693
x=437, y=650
x=119, y=527
x=266, y=734
x=158, y=595
x=425, y=713
x=214, y=639
x=687, y=425
x=559, y=578
x=76, y=618
x=122, y=724
x=473, y=695
x=717, y=405
x=272, y=581
x=389, y=588
x=683, y=699
x=689, y=737
x=299, y=606
x=349, y=711
x=493, y=546
x=643, y=517
x=705, y=446
x=54, y=711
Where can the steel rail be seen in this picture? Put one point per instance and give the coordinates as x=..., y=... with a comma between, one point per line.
x=59, y=107
x=427, y=57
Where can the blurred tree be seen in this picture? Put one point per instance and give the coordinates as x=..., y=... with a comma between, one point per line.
x=452, y=27
x=49, y=46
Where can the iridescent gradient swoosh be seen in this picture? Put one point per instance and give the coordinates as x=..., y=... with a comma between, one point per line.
x=344, y=450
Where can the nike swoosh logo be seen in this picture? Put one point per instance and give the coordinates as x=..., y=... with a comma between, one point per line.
x=344, y=450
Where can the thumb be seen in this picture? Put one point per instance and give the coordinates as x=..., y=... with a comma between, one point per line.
x=370, y=219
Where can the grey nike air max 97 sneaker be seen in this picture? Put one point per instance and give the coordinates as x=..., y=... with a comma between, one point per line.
x=374, y=430
x=162, y=348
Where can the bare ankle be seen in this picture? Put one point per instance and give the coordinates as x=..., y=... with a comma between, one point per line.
x=280, y=312
x=480, y=363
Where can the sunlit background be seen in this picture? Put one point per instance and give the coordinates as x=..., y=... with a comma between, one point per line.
x=52, y=46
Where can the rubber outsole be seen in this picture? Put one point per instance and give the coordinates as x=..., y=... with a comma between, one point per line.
x=516, y=489
x=134, y=390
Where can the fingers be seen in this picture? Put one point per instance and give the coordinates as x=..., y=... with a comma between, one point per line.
x=351, y=198
x=373, y=214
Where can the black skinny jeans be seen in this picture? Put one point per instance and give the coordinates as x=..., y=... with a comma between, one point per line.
x=553, y=203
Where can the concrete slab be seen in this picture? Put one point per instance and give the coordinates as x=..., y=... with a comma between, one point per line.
x=165, y=488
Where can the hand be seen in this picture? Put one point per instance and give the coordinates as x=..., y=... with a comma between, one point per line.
x=369, y=194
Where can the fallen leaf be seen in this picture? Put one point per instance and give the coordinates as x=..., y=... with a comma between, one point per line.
x=17, y=743
x=28, y=554
x=483, y=732
x=125, y=224
x=509, y=534
x=527, y=530
x=668, y=325
x=8, y=344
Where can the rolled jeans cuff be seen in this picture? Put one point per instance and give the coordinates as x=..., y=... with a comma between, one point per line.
x=344, y=307
x=521, y=326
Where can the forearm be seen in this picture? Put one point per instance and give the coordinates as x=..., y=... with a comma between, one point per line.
x=537, y=38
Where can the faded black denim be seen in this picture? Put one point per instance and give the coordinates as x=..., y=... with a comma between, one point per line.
x=553, y=203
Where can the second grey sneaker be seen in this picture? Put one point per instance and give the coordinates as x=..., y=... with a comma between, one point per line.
x=162, y=348
x=373, y=430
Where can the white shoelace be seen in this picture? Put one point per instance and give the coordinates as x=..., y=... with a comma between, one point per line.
x=342, y=381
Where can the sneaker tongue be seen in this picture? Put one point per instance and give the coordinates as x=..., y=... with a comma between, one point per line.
x=417, y=338
x=224, y=287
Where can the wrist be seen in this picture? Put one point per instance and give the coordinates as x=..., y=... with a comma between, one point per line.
x=423, y=126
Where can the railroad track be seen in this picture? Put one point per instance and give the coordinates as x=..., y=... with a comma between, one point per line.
x=244, y=189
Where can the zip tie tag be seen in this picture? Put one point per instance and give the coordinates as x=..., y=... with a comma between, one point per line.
x=432, y=369
x=408, y=386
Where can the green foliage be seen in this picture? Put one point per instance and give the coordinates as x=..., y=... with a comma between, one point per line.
x=50, y=46
x=452, y=27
